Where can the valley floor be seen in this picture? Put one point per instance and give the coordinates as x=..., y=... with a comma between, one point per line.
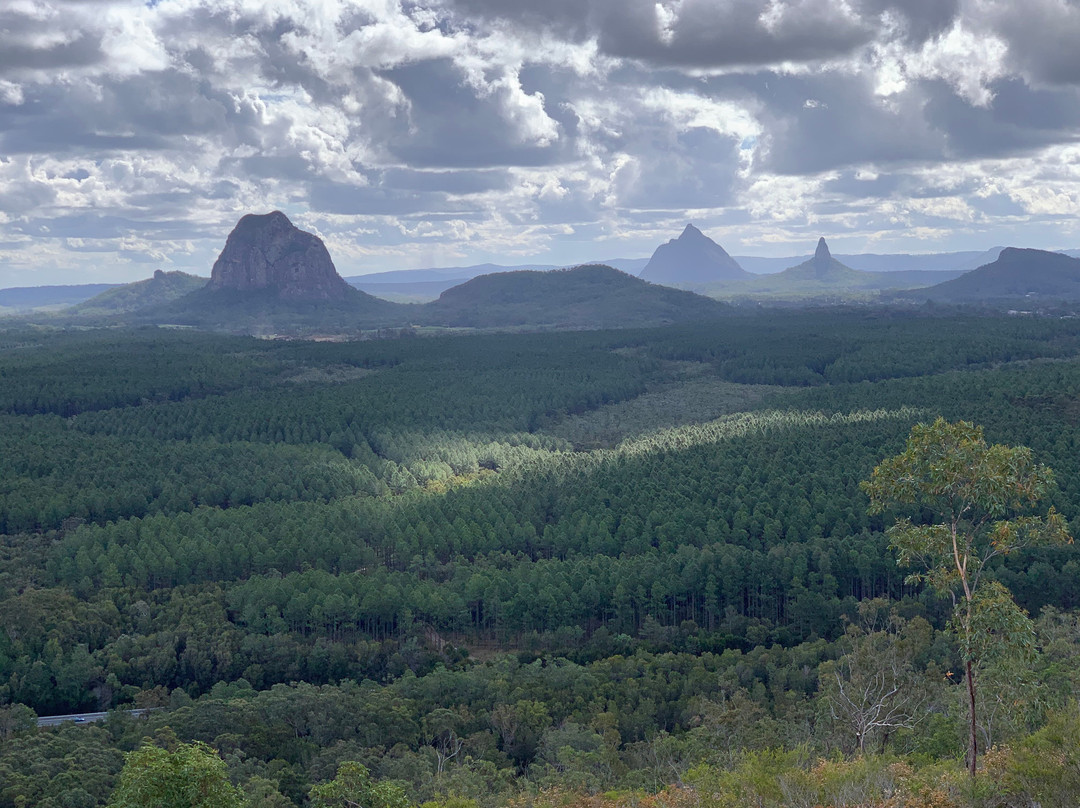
x=606, y=568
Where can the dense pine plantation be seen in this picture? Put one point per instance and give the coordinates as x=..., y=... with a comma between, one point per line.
x=519, y=568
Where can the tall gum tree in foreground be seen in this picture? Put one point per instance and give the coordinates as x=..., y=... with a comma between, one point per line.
x=979, y=501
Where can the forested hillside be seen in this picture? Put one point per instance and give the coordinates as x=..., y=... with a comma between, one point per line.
x=614, y=567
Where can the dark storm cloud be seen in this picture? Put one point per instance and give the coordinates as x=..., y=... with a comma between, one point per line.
x=846, y=124
x=30, y=40
x=1019, y=120
x=895, y=185
x=143, y=112
x=705, y=33
x=453, y=125
x=719, y=33
x=842, y=121
x=1049, y=110
x=569, y=18
x=451, y=182
x=15, y=56
x=1042, y=36
x=921, y=19
x=405, y=192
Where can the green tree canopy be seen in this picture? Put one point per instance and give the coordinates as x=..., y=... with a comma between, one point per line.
x=190, y=776
x=975, y=502
x=353, y=788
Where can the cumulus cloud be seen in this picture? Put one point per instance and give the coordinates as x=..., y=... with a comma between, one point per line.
x=136, y=133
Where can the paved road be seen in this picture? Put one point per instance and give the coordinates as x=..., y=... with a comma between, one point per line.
x=79, y=718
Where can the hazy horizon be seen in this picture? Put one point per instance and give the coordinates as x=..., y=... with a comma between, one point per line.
x=776, y=268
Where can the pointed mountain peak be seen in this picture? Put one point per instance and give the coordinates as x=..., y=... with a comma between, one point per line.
x=822, y=253
x=692, y=258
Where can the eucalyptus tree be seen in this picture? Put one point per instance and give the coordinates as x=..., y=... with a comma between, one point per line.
x=972, y=502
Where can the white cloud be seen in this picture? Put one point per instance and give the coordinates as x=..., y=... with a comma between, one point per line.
x=524, y=111
x=687, y=110
x=130, y=43
x=11, y=93
x=967, y=60
x=773, y=198
x=666, y=17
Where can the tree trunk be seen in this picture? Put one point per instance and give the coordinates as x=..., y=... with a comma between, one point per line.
x=973, y=735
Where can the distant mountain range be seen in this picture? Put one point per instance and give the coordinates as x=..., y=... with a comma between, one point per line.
x=997, y=274
x=401, y=281
x=274, y=278
x=32, y=298
x=823, y=275
x=694, y=261
x=877, y=262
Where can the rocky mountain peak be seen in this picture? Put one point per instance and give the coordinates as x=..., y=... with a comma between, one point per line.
x=692, y=259
x=822, y=253
x=822, y=262
x=268, y=252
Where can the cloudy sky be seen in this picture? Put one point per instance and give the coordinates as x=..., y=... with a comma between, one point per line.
x=134, y=134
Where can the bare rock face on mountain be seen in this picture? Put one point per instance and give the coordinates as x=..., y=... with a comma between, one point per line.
x=269, y=252
x=823, y=264
x=823, y=269
x=693, y=259
x=822, y=256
